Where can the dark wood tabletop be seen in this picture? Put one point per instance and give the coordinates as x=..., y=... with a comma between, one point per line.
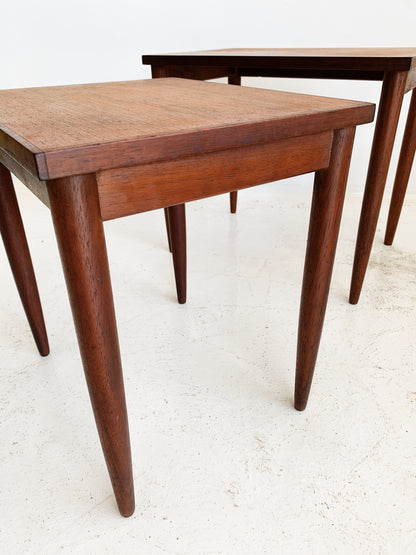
x=371, y=59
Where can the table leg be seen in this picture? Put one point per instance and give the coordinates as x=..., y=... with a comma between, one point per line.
x=15, y=243
x=166, y=210
x=175, y=226
x=388, y=116
x=177, y=232
x=80, y=236
x=234, y=79
x=326, y=210
x=404, y=167
x=175, y=220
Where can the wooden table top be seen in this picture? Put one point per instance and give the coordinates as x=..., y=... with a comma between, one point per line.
x=377, y=59
x=68, y=130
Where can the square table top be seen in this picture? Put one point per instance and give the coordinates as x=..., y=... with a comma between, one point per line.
x=68, y=130
x=375, y=59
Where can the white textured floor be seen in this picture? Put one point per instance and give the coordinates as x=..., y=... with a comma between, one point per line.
x=223, y=464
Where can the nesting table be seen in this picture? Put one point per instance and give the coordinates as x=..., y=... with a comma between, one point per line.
x=395, y=67
x=96, y=152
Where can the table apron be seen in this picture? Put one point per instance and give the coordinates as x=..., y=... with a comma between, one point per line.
x=348, y=74
x=214, y=72
x=126, y=191
x=191, y=72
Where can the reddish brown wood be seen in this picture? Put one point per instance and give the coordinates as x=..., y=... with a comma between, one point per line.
x=233, y=202
x=137, y=122
x=80, y=235
x=391, y=65
x=234, y=79
x=37, y=187
x=388, y=116
x=364, y=62
x=189, y=72
x=326, y=210
x=176, y=230
x=159, y=144
x=177, y=227
x=125, y=191
x=168, y=231
x=14, y=238
x=159, y=72
x=404, y=167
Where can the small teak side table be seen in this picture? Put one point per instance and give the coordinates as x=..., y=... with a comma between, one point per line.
x=395, y=67
x=102, y=151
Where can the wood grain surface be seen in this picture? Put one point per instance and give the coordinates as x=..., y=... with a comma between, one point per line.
x=80, y=236
x=85, y=128
x=125, y=191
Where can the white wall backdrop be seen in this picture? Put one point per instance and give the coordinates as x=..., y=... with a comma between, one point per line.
x=59, y=41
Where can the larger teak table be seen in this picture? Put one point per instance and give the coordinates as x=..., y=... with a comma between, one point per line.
x=395, y=67
x=96, y=152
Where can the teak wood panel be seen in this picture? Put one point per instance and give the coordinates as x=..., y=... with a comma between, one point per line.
x=61, y=131
x=127, y=191
x=189, y=71
x=373, y=59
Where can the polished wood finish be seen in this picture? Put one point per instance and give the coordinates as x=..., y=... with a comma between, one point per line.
x=150, y=123
x=324, y=59
x=126, y=191
x=396, y=67
x=79, y=231
x=166, y=210
x=159, y=144
x=233, y=202
x=15, y=244
x=326, y=210
x=385, y=131
x=177, y=226
x=404, y=167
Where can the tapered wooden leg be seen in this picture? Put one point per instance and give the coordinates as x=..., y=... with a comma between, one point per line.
x=166, y=210
x=233, y=202
x=234, y=79
x=326, y=210
x=80, y=235
x=14, y=238
x=388, y=116
x=404, y=167
x=177, y=226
